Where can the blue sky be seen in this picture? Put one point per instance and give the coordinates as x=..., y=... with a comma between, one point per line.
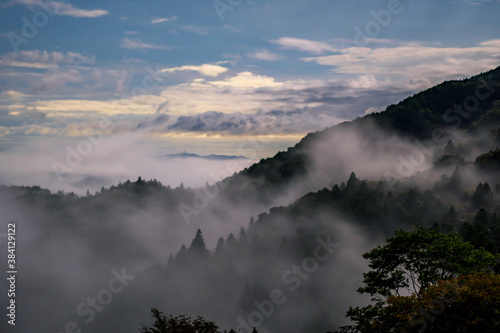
x=189, y=76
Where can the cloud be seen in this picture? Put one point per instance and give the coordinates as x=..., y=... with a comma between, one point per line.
x=54, y=80
x=415, y=60
x=59, y=8
x=197, y=30
x=265, y=55
x=311, y=46
x=373, y=109
x=233, y=94
x=231, y=28
x=163, y=19
x=43, y=59
x=64, y=74
x=70, y=10
x=259, y=123
x=244, y=93
x=233, y=107
x=205, y=69
x=367, y=82
x=475, y=2
x=77, y=81
x=198, y=106
x=116, y=158
x=247, y=80
x=11, y=94
x=153, y=121
x=131, y=44
x=127, y=106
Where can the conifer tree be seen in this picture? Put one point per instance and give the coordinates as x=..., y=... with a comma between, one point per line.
x=198, y=246
x=171, y=260
x=242, y=238
x=221, y=246
x=449, y=149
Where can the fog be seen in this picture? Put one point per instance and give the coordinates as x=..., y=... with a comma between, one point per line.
x=70, y=249
x=91, y=163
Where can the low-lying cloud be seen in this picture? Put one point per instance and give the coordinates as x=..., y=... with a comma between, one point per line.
x=90, y=163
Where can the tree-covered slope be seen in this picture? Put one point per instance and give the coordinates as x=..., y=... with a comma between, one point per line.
x=470, y=105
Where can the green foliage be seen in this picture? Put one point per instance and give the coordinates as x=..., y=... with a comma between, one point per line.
x=412, y=262
x=469, y=303
x=490, y=117
x=419, y=115
x=484, y=231
x=489, y=161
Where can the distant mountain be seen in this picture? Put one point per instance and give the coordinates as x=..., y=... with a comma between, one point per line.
x=206, y=157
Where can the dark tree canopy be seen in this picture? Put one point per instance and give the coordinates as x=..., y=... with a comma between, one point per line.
x=198, y=244
x=468, y=303
x=413, y=261
x=409, y=264
x=178, y=324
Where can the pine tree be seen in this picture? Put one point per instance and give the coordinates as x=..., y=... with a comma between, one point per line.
x=363, y=188
x=242, y=238
x=451, y=216
x=483, y=197
x=352, y=182
x=180, y=258
x=449, y=149
x=198, y=246
x=336, y=194
x=482, y=218
x=455, y=183
x=231, y=242
x=221, y=247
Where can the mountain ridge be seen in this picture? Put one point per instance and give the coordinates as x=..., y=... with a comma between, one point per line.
x=414, y=117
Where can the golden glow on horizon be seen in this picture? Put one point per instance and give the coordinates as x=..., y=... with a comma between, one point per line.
x=220, y=136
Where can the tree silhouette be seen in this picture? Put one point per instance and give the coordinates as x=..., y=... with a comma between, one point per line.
x=221, y=246
x=410, y=263
x=449, y=149
x=198, y=247
x=483, y=197
x=178, y=324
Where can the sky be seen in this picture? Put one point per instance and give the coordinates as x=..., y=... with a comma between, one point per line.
x=208, y=76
